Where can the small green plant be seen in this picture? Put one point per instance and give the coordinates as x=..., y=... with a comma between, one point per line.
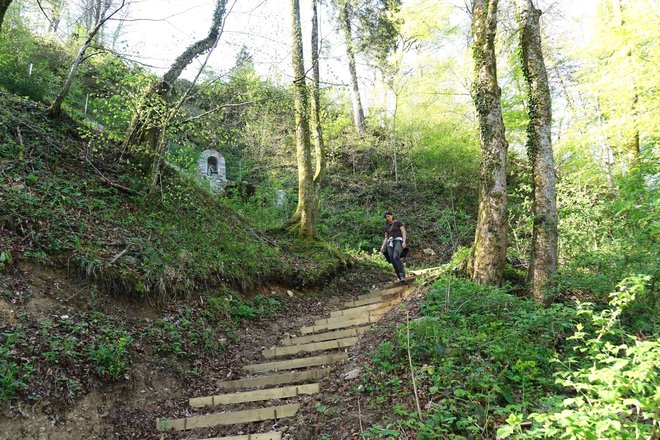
x=5, y=259
x=109, y=354
x=324, y=409
x=13, y=377
x=383, y=432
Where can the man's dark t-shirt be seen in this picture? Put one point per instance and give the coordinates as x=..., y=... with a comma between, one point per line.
x=394, y=229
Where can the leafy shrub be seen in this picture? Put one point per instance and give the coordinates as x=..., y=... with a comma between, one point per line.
x=615, y=395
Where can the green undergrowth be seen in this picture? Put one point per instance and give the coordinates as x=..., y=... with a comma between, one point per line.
x=613, y=391
x=477, y=352
x=194, y=332
x=62, y=357
x=70, y=197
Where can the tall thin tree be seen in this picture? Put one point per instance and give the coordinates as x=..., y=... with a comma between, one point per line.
x=317, y=132
x=539, y=148
x=345, y=16
x=486, y=263
x=303, y=219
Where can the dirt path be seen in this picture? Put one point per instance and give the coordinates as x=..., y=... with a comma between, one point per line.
x=265, y=400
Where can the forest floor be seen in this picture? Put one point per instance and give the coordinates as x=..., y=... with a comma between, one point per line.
x=67, y=402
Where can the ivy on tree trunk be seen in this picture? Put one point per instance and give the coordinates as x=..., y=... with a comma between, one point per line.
x=317, y=133
x=486, y=263
x=539, y=147
x=303, y=219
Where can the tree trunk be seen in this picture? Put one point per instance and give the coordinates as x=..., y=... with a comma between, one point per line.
x=539, y=147
x=395, y=150
x=317, y=132
x=147, y=125
x=56, y=16
x=486, y=264
x=345, y=13
x=4, y=5
x=633, y=143
x=303, y=219
x=56, y=108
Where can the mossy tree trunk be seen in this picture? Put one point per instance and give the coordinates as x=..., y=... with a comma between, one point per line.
x=486, y=263
x=345, y=14
x=149, y=121
x=317, y=132
x=302, y=220
x=4, y=5
x=539, y=148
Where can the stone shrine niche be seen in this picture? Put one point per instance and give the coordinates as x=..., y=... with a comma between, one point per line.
x=211, y=166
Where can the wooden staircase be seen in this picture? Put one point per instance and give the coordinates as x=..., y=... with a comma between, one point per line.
x=322, y=345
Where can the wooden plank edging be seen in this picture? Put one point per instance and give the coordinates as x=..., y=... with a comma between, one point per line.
x=376, y=300
x=359, y=309
x=254, y=396
x=269, y=353
x=319, y=337
x=275, y=379
x=296, y=363
x=258, y=436
x=340, y=319
x=228, y=418
x=380, y=293
x=347, y=322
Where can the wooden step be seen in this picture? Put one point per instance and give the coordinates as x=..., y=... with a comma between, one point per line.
x=375, y=300
x=364, y=314
x=308, y=348
x=383, y=292
x=228, y=418
x=348, y=321
x=275, y=379
x=318, y=337
x=262, y=436
x=358, y=310
x=292, y=364
x=254, y=396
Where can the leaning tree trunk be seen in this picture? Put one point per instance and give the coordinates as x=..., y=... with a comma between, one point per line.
x=345, y=22
x=539, y=147
x=486, y=263
x=56, y=107
x=147, y=124
x=317, y=133
x=4, y=5
x=303, y=219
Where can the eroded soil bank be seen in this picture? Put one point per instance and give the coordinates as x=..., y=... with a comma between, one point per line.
x=65, y=399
